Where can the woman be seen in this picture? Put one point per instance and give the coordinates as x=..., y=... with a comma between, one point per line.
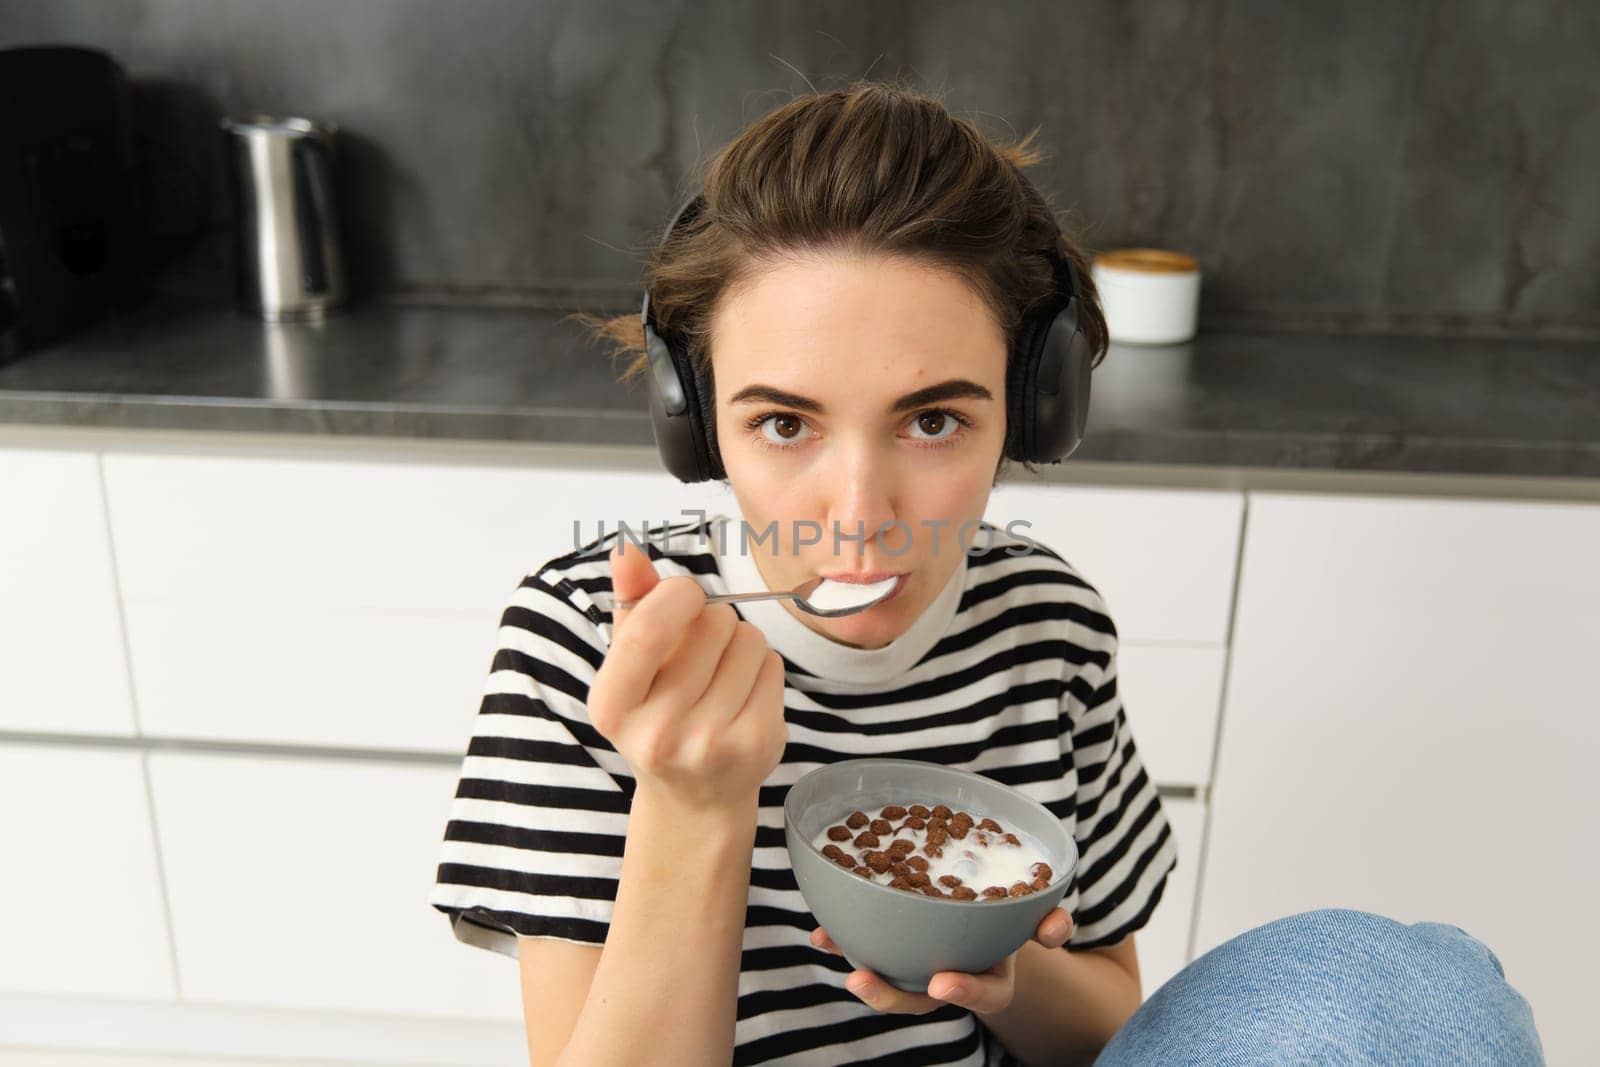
x=852, y=286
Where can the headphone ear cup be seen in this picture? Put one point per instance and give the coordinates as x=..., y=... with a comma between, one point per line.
x=1049, y=388
x=681, y=414
x=1060, y=392
x=1020, y=392
x=672, y=411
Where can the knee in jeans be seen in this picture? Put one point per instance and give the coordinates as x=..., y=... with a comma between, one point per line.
x=1452, y=938
x=1347, y=925
x=1373, y=936
x=1350, y=965
x=1417, y=963
x=1335, y=985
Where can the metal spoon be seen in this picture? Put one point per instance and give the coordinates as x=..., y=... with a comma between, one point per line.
x=870, y=595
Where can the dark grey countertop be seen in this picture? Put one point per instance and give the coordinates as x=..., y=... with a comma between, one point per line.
x=1490, y=407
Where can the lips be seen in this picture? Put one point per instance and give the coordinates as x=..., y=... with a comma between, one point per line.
x=869, y=577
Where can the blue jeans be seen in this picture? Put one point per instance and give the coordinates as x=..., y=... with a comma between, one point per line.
x=1334, y=987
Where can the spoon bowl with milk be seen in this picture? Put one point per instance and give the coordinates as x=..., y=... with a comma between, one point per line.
x=822, y=597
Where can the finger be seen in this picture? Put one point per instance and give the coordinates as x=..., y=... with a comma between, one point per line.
x=766, y=693
x=734, y=674
x=881, y=996
x=647, y=636
x=632, y=577
x=985, y=992
x=685, y=676
x=760, y=726
x=820, y=938
x=1055, y=929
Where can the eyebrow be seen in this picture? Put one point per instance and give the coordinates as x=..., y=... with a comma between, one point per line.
x=954, y=389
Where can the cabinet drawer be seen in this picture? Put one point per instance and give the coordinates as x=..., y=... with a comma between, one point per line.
x=421, y=539
x=303, y=883
x=1172, y=694
x=1163, y=559
x=61, y=662
x=353, y=677
x=304, y=601
x=80, y=903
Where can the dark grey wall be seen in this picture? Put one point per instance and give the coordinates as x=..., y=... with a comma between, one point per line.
x=1368, y=164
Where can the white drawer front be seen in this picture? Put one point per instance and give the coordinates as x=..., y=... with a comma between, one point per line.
x=80, y=900
x=61, y=663
x=329, y=677
x=1172, y=694
x=1163, y=559
x=417, y=538
x=303, y=883
x=341, y=603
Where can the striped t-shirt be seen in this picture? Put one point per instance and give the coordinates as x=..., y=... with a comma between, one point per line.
x=1010, y=672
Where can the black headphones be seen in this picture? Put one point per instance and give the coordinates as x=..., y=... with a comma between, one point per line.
x=1047, y=377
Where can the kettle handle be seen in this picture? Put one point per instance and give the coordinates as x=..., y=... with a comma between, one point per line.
x=313, y=210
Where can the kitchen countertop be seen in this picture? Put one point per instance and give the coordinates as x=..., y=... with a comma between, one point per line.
x=1253, y=400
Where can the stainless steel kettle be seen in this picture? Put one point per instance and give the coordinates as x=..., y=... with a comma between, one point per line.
x=289, y=263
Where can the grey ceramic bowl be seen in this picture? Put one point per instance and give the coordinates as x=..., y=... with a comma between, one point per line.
x=907, y=938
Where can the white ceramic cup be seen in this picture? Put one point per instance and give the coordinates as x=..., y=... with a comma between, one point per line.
x=1150, y=296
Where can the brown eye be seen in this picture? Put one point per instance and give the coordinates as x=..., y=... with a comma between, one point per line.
x=780, y=430
x=937, y=425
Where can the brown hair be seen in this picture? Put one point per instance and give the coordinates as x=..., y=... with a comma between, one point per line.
x=871, y=169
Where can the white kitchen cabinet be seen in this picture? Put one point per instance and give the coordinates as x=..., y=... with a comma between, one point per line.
x=80, y=897
x=1163, y=559
x=1411, y=726
x=268, y=672
x=1164, y=562
x=345, y=603
x=62, y=668
x=419, y=538
x=1163, y=944
x=355, y=603
x=303, y=883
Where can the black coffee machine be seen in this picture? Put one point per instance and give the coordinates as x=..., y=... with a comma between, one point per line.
x=71, y=225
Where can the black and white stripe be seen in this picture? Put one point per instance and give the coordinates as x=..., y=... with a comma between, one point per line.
x=1021, y=687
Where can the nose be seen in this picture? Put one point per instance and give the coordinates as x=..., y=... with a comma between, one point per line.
x=862, y=506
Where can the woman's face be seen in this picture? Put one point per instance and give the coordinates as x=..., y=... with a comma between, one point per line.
x=852, y=392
